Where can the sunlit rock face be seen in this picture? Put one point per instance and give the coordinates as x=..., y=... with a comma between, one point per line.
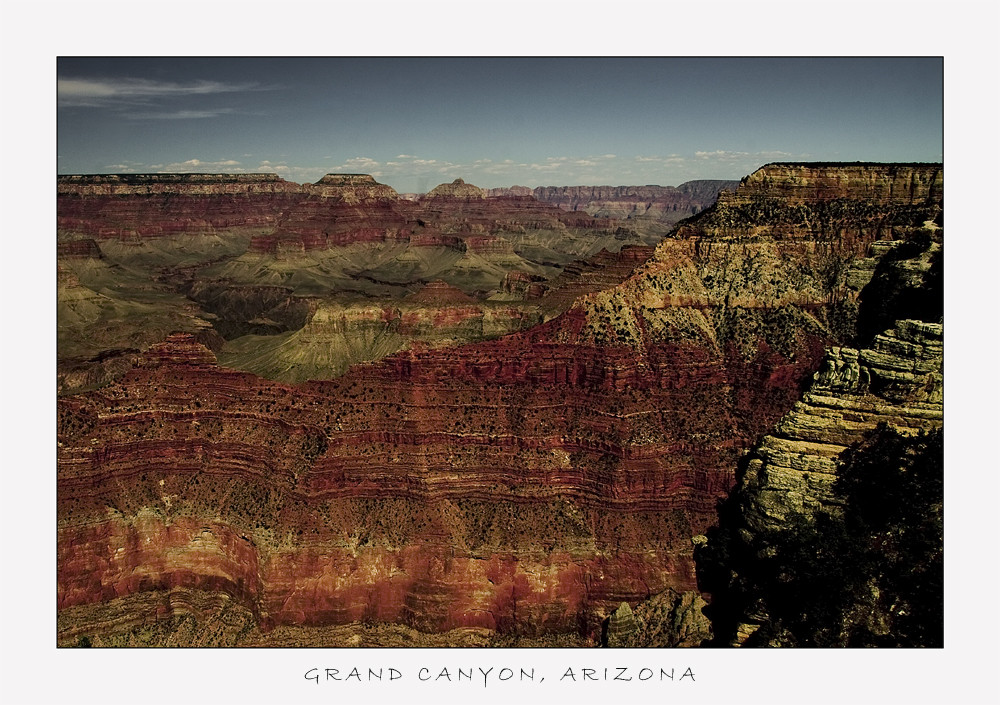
x=524, y=487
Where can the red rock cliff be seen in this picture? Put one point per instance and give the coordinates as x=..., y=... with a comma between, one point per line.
x=527, y=485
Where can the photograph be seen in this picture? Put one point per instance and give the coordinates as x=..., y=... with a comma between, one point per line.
x=500, y=352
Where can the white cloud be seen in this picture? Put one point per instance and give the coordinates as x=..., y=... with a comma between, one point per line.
x=362, y=163
x=404, y=173
x=405, y=156
x=731, y=156
x=198, y=165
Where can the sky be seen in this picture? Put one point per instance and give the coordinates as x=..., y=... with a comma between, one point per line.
x=416, y=122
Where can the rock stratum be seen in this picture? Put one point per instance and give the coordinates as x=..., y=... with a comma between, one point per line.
x=833, y=533
x=509, y=491
x=237, y=258
x=793, y=482
x=663, y=205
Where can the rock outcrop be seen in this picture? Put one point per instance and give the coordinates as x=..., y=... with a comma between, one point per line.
x=898, y=381
x=830, y=181
x=458, y=190
x=790, y=494
x=621, y=627
x=791, y=561
x=791, y=482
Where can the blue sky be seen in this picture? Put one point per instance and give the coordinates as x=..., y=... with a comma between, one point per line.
x=414, y=123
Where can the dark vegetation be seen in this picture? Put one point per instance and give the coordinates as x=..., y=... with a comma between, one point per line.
x=869, y=575
x=902, y=288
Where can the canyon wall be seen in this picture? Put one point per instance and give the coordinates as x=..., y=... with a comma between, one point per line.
x=662, y=204
x=800, y=555
x=793, y=482
x=523, y=487
x=253, y=256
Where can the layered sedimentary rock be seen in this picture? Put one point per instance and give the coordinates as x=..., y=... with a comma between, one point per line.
x=338, y=335
x=154, y=205
x=831, y=181
x=251, y=255
x=458, y=190
x=791, y=484
x=898, y=381
x=667, y=619
x=827, y=202
x=602, y=271
x=661, y=204
x=524, y=486
x=337, y=210
x=790, y=494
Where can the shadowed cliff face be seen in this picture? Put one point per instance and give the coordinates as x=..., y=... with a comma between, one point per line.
x=799, y=557
x=523, y=487
x=793, y=525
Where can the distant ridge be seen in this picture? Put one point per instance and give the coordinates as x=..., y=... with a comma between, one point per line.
x=167, y=176
x=663, y=205
x=844, y=164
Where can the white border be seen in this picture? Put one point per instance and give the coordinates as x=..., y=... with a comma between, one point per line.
x=33, y=35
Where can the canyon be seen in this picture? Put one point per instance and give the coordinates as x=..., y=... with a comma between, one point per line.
x=234, y=259
x=327, y=415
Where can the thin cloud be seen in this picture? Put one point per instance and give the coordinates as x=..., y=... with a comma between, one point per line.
x=105, y=92
x=179, y=114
